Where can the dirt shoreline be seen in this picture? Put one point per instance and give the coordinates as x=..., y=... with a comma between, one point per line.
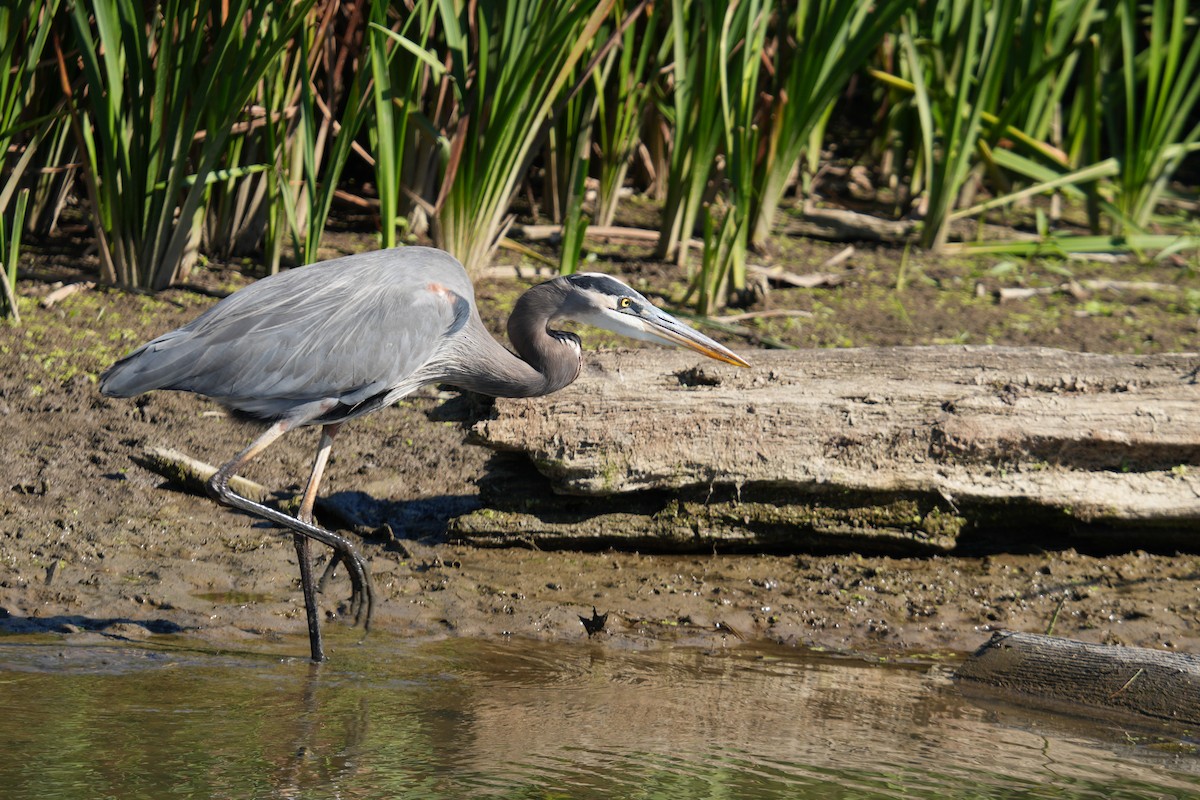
x=92, y=543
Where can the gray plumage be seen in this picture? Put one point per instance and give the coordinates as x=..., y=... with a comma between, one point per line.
x=289, y=345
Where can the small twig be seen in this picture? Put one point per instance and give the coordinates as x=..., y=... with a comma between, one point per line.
x=1025, y=292
x=601, y=233
x=10, y=296
x=1054, y=617
x=1080, y=288
x=520, y=270
x=1106, y=258
x=58, y=169
x=1128, y=683
x=355, y=200
x=840, y=257
x=809, y=281
x=725, y=627
x=1129, y=286
x=194, y=475
x=66, y=291
x=538, y=233
x=736, y=330
x=779, y=312
x=196, y=288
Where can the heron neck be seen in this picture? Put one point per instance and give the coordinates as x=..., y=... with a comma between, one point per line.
x=549, y=360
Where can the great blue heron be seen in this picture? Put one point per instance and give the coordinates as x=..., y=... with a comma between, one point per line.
x=325, y=343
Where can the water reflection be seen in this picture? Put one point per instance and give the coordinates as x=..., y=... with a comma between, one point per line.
x=472, y=719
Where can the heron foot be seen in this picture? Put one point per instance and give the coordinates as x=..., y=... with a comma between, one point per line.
x=362, y=590
x=330, y=571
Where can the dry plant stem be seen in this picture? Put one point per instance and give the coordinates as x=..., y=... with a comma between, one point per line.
x=809, y=281
x=772, y=314
x=66, y=291
x=842, y=256
x=10, y=296
x=1080, y=288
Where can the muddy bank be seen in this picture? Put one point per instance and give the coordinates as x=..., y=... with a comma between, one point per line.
x=90, y=541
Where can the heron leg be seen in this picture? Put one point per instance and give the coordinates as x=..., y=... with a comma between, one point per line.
x=312, y=613
x=303, y=548
x=363, y=599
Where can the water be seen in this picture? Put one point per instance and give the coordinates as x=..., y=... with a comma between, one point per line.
x=462, y=718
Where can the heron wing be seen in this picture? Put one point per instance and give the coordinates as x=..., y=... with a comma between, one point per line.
x=346, y=330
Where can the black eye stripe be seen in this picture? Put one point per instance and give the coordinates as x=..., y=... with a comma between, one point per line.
x=600, y=283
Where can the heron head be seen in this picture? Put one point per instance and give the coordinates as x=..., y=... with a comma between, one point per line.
x=603, y=301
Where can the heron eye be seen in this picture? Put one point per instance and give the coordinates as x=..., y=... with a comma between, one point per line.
x=624, y=302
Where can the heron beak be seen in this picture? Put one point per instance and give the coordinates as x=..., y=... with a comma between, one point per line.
x=668, y=330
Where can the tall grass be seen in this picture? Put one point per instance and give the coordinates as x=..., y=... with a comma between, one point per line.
x=696, y=117
x=1020, y=139
x=1154, y=89
x=24, y=35
x=228, y=126
x=10, y=251
x=322, y=144
x=399, y=67
x=956, y=54
x=820, y=46
x=274, y=194
x=568, y=156
x=623, y=100
x=739, y=61
x=1091, y=99
x=508, y=64
x=163, y=86
x=1044, y=143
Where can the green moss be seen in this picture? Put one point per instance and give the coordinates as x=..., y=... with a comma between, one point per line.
x=939, y=523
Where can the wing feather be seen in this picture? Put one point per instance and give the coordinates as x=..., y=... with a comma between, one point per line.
x=343, y=330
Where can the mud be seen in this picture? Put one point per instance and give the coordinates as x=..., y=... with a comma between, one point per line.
x=91, y=543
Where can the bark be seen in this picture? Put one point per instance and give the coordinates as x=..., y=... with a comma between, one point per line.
x=840, y=225
x=1149, y=683
x=837, y=225
x=918, y=444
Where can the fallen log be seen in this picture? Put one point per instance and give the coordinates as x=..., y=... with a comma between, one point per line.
x=917, y=445
x=193, y=475
x=839, y=225
x=1137, y=680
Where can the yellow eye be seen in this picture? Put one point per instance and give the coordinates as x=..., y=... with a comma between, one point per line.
x=624, y=302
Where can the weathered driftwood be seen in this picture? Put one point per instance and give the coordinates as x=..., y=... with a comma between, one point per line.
x=1138, y=680
x=811, y=280
x=915, y=443
x=842, y=225
x=63, y=292
x=193, y=475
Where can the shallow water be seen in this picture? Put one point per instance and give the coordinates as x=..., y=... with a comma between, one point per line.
x=464, y=718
